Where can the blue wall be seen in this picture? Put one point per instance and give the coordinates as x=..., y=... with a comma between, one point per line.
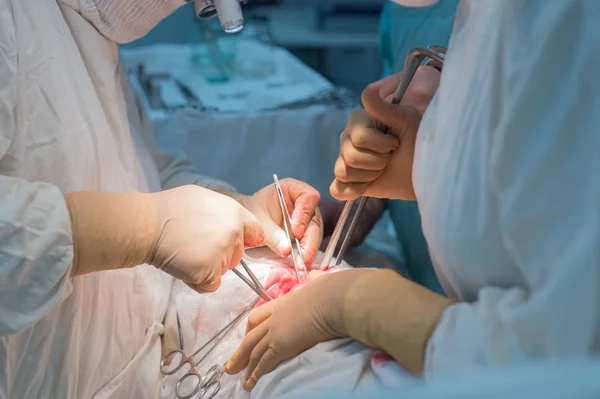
x=179, y=27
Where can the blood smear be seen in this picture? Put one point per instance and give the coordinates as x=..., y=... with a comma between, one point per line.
x=280, y=283
x=380, y=358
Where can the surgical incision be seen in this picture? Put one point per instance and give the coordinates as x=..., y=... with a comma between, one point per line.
x=280, y=282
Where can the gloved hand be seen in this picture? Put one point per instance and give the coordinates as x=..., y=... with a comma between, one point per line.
x=331, y=211
x=302, y=202
x=377, y=307
x=374, y=164
x=190, y=232
x=287, y=326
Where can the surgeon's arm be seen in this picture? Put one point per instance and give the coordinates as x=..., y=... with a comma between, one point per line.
x=544, y=163
x=125, y=21
x=176, y=170
x=36, y=251
x=36, y=248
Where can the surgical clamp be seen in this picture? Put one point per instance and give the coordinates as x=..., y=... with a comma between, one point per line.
x=297, y=258
x=253, y=283
x=208, y=384
x=435, y=57
x=179, y=331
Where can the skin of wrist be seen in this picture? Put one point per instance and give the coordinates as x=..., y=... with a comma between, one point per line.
x=387, y=312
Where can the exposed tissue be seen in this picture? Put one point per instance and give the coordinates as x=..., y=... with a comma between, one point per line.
x=203, y=315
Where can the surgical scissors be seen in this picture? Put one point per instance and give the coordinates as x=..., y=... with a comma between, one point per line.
x=435, y=57
x=299, y=265
x=192, y=383
x=253, y=283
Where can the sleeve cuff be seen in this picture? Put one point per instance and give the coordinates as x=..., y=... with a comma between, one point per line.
x=36, y=254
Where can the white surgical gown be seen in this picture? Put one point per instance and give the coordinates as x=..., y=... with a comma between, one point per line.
x=506, y=175
x=64, y=127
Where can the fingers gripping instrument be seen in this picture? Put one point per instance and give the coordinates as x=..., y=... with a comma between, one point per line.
x=432, y=56
x=297, y=257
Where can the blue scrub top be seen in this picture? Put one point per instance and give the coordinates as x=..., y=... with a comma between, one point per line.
x=402, y=29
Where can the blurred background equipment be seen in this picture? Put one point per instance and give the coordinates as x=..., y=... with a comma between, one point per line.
x=337, y=38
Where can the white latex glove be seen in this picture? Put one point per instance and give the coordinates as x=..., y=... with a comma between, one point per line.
x=192, y=233
x=204, y=234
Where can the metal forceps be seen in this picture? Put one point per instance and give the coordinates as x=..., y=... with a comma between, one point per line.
x=297, y=258
x=435, y=57
x=192, y=383
x=253, y=283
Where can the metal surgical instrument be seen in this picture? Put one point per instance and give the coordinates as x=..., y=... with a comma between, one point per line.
x=254, y=283
x=435, y=57
x=192, y=383
x=297, y=258
x=179, y=332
